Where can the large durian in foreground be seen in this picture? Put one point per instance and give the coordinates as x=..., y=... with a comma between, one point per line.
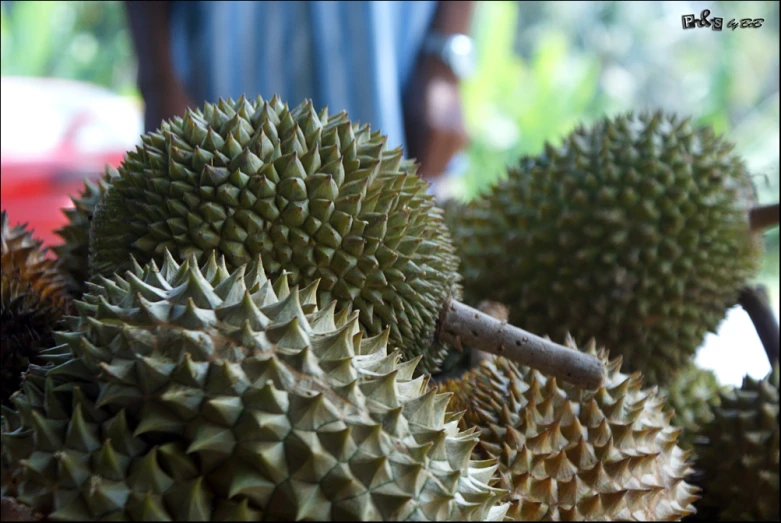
x=189, y=393
x=32, y=299
x=315, y=195
x=566, y=454
x=73, y=254
x=738, y=460
x=634, y=231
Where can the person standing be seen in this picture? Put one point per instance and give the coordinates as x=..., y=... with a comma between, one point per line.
x=394, y=65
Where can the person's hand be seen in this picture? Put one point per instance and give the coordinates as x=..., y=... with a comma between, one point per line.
x=433, y=121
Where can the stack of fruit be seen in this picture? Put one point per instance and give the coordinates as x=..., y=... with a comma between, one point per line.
x=261, y=296
x=639, y=232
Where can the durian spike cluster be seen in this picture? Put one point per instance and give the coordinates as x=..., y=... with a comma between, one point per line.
x=738, y=455
x=566, y=454
x=32, y=299
x=195, y=393
x=693, y=394
x=634, y=231
x=312, y=194
x=319, y=197
x=73, y=254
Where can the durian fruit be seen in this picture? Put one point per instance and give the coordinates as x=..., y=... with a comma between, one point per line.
x=738, y=459
x=313, y=194
x=692, y=394
x=32, y=299
x=319, y=197
x=73, y=254
x=566, y=454
x=634, y=231
x=191, y=393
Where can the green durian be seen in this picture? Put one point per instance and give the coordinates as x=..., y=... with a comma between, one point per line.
x=315, y=195
x=33, y=298
x=692, y=394
x=73, y=254
x=738, y=456
x=193, y=393
x=566, y=454
x=634, y=231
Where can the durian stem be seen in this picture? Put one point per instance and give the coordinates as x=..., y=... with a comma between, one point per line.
x=460, y=324
x=756, y=303
x=763, y=217
x=497, y=311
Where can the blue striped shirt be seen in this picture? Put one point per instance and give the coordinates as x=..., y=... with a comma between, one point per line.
x=354, y=56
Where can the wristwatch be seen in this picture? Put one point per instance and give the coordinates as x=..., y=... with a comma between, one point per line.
x=454, y=50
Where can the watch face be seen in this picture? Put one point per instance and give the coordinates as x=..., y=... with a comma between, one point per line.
x=461, y=44
x=463, y=65
x=459, y=55
x=455, y=50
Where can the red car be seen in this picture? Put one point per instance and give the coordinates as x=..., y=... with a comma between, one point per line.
x=54, y=133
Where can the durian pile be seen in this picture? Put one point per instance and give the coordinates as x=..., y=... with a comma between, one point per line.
x=73, y=252
x=634, y=231
x=314, y=195
x=739, y=449
x=566, y=454
x=244, y=320
x=193, y=394
x=33, y=298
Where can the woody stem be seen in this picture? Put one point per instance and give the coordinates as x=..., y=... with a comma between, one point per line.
x=756, y=303
x=763, y=217
x=461, y=324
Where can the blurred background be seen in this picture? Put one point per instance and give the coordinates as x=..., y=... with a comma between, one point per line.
x=70, y=102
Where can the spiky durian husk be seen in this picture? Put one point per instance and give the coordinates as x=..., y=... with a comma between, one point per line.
x=190, y=393
x=73, y=255
x=32, y=299
x=315, y=195
x=570, y=454
x=692, y=394
x=738, y=458
x=634, y=231
x=450, y=209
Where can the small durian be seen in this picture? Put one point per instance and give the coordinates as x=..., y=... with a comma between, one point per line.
x=738, y=456
x=634, y=231
x=192, y=393
x=73, y=254
x=566, y=454
x=312, y=194
x=33, y=298
x=692, y=394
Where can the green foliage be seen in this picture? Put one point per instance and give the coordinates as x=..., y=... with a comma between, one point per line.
x=544, y=65
x=513, y=105
x=86, y=41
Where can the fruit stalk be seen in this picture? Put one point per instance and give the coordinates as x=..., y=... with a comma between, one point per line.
x=756, y=303
x=763, y=217
x=460, y=324
x=497, y=311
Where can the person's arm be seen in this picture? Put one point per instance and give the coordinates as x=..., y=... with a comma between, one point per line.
x=453, y=17
x=433, y=120
x=163, y=93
